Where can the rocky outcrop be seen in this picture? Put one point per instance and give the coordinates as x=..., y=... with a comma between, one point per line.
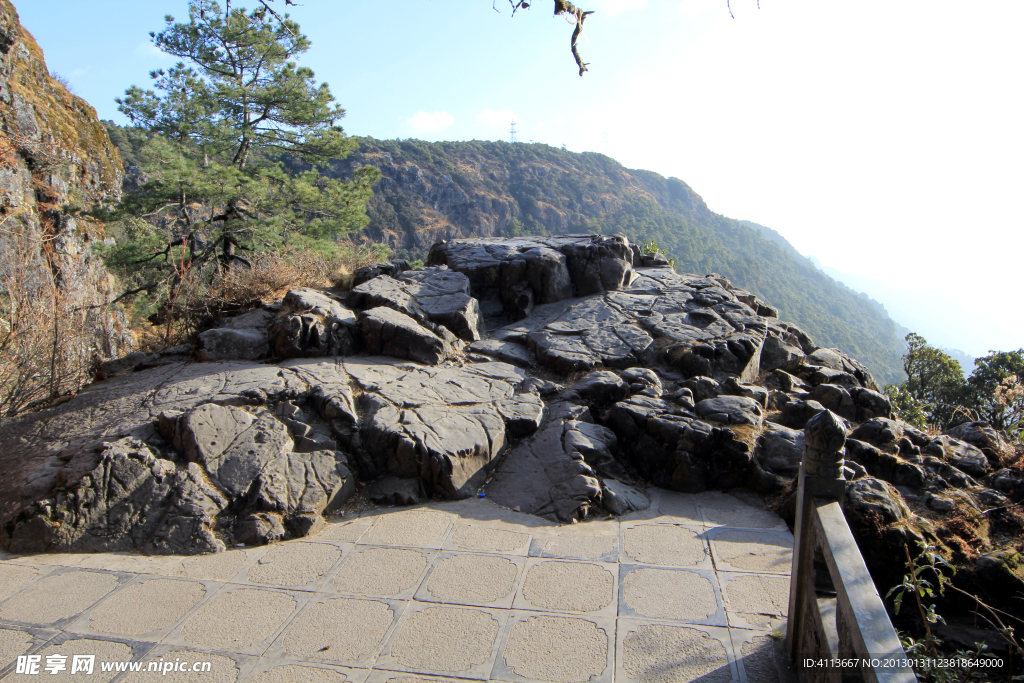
x=605, y=371
x=55, y=153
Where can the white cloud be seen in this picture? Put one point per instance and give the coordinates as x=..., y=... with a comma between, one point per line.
x=613, y=7
x=498, y=119
x=429, y=122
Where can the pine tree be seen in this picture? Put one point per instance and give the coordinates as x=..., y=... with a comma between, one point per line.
x=237, y=137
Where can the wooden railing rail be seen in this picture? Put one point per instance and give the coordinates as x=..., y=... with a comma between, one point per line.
x=838, y=630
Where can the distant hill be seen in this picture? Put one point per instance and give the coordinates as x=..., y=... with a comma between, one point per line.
x=447, y=190
x=444, y=190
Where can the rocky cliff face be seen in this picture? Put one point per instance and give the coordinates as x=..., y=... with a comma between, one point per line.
x=55, y=157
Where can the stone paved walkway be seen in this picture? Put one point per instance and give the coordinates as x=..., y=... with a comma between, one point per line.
x=689, y=590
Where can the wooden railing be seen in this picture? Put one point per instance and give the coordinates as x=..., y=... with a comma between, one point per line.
x=838, y=629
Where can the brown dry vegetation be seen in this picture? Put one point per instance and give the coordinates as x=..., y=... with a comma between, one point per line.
x=44, y=349
x=199, y=302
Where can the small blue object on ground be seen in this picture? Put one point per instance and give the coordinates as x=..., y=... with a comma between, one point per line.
x=483, y=495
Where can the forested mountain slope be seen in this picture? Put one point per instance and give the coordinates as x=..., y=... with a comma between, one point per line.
x=445, y=190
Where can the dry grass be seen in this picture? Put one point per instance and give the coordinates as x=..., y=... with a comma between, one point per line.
x=44, y=350
x=273, y=274
x=200, y=301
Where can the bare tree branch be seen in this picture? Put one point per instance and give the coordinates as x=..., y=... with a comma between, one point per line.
x=565, y=7
x=277, y=16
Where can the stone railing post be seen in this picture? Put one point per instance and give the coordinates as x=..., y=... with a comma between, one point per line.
x=821, y=476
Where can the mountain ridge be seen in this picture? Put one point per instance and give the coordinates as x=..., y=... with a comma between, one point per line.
x=450, y=190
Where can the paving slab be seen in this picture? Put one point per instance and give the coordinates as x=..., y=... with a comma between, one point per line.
x=653, y=652
x=740, y=550
x=488, y=539
x=569, y=586
x=577, y=544
x=240, y=619
x=411, y=528
x=59, y=598
x=224, y=667
x=15, y=578
x=670, y=545
x=219, y=566
x=339, y=630
x=756, y=656
x=761, y=594
x=690, y=596
x=381, y=572
x=298, y=565
x=145, y=609
x=723, y=509
x=64, y=646
x=294, y=671
x=14, y=642
x=445, y=640
x=472, y=579
x=690, y=589
x=556, y=648
x=383, y=676
x=680, y=508
x=343, y=532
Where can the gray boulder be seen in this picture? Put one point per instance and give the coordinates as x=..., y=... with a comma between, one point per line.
x=796, y=414
x=674, y=449
x=391, y=490
x=777, y=353
x=231, y=444
x=387, y=332
x=129, y=499
x=507, y=352
x=602, y=388
x=233, y=344
x=871, y=404
x=621, y=499
x=644, y=382
x=960, y=454
x=429, y=295
x=780, y=450
x=528, y=271
x=260, y=528
x=442, y=426
x=868, y=496
x=981, y=435
x=313, y=324
x=732, y=410
x=835, y=398
x=879, y=432
x=367, y=273
x=549, y=475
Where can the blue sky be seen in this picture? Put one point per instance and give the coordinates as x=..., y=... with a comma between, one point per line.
x=882, y=137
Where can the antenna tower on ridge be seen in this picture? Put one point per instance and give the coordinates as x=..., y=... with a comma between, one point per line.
x=512, y=131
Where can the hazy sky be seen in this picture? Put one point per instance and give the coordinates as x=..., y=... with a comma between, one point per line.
x=883, y=137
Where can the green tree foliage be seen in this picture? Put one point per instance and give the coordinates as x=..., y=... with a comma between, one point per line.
x=994, y=389
x=212, y=137
x=936, y=393
x=906, y=407
x=933, y=379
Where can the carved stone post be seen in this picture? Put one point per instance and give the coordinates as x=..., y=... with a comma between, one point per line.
x=821, y=476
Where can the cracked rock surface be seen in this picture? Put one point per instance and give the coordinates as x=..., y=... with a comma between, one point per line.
x=558, y=376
